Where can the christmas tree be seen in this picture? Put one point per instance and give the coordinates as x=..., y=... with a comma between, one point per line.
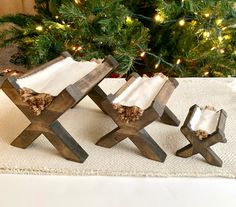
x=176, y=37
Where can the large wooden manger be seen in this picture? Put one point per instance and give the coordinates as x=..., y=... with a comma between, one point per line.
x=46, y=123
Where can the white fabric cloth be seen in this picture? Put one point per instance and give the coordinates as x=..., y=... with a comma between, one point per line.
x=55, y=78
x=141, y=92
x=86, y=123
x=204, y=119
x=232, y=85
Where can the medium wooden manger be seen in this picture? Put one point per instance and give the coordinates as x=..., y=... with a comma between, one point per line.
x=135, y=105
x=70, y=90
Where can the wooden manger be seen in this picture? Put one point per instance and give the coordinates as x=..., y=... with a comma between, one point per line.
x=46, y=123
x=133, y=127
x=203, y=128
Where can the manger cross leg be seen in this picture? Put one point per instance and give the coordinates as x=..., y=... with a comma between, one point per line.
x=147, y=146
x=112, y=138
x=168, y=117
x=203, y=147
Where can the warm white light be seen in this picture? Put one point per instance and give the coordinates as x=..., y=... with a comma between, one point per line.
x=159, y=18
x=157, y=65
x=39, y=28
x=220, y=38
x=206, y=34
x=206, y=73
x=219, y=21
x=129, y=20
x=182, y=22
x=56, y=17
x=213, y=48
x=178, y=61
x=207, y=15
x=77, y=1
x=142, y=54
x=222, y=51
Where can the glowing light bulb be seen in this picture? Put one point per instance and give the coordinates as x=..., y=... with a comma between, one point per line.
x=227, y=37
x=219, y=21
x=220, y=38
x=74, y=48
x=206, y=34
x=159, y=18
x=129, y=20
x=224, y=28
x=79, y=48
x=213, y=48
x=235, y=52
x=56, y=17
x=207, y=15
x=77, y=1
x=39, y=28
x=142, y=54
x=222, y=51
x=206, y=73
x=157, y=65
x=178, y=61
x=181, y=22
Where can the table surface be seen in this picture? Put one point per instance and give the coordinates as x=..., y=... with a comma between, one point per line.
x=61, y=191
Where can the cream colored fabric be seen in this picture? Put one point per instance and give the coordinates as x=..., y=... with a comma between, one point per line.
x=141, y=92
x=57, y=77
x=87, y=124
x=204, y=119
x=232, y=85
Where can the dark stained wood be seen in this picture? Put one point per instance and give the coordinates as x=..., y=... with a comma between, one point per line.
x=86, y=84
x=46, y=123
x=134, y=130
x=203, y=146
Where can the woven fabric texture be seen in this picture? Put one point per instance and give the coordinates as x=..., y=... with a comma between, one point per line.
x=87, y=124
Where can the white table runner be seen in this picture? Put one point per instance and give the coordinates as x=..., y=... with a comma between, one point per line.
x=87, y=124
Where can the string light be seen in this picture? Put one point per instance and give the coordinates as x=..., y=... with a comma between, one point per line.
x=222, y=51
x=56, y=17
x=206, y=73
x=129, y=20
x=157, y=65
x=39, y=28
x=219, y=21
x=220, y=38
x=178, y=61
x=213, y=48
x=181, y=22
x=206, y=34
x=77, y=48
x=142, y=54
x=159, y=18
x=77, y=1
x=224, y=28
x=207, y=15
x=227, y=37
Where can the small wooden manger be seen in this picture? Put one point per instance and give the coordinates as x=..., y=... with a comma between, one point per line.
x=135, y=105
x=203, y=128
x=68, y=82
